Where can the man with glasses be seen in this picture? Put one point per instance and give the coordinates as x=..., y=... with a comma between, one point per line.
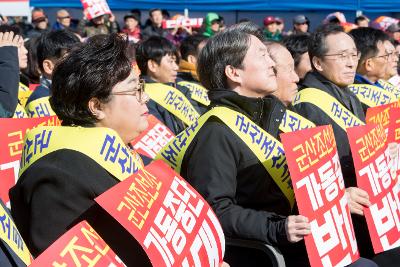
x=376, y=57
x=323, y=98
x=63, y=20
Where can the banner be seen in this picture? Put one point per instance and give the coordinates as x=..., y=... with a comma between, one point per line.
x=182, y=22
x=11, y=240
x=14, y=8
x=394, y=138
x=319, y=188
x=380, y=115
x=174, y=225
x=12, y=134
x=151, y=141
x=95, y=8
x=375, y=174
x=80, y=246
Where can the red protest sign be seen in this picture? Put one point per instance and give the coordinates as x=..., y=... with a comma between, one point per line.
x=320, y=194
x=182, y=22
x=380, y=114
x=394, y=138
x=80, y=246
x=375, y=174
x=95, y=8
x=12, y=133
x=174, y=225
x=151, y=141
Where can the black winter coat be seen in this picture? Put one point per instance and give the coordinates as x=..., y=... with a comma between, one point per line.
x=52, y=193
x=9, y=81
x=221, y=167
x=316, y=115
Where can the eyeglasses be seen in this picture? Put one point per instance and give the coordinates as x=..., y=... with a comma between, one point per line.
x=342, y=57
x=137, y=91
x=386, y=56
x=66, y=17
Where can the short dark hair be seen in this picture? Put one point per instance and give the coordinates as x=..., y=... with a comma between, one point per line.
x=367, y=40
x=360, y=18
x=226, y=48
x=154, y=48
x=54, y=45
x=132, y=16
x=317, y=43
x=249, y=28
x=189, y=46
x=7, y=28
x=90, y=70
x=154, y=9
x=297, y=44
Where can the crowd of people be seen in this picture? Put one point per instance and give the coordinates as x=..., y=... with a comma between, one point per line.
x=98, y=77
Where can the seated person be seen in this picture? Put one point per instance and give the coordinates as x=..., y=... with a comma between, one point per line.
x=157, y=60
x=372, y=65
x=334, y=59
x=95, y=88
x=12, y=58
x=297, y=45
x=189, y=50
x=51, y=48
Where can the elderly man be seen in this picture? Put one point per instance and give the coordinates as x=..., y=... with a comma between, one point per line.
x=63, y=20
x=334, y=59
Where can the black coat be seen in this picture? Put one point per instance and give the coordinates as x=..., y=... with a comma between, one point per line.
x=52, y=193
x=221, y=167
x=316, y=115
x=9, y=81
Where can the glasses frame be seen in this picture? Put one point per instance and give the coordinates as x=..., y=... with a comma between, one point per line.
x=138, y=91
x=388, y=55
x=343, y=56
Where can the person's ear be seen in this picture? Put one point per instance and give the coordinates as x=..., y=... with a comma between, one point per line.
x=152, y=66
x=233, y=74
x=317, y=62
x=96, y=108
x=48, y=66
x=192, y=59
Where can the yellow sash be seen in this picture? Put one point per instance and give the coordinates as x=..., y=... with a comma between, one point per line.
x=292, y=122
x=23, y=94
x=329, y=105
x=268, y=150
x=172, y=100
x=10, y=235
x=20, y=112
x=198, y=92
x=40, y=108
x=390, y=88
x=372, y=95
x=103, y=145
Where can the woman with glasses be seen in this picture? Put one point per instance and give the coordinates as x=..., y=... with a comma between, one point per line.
x=102, y=105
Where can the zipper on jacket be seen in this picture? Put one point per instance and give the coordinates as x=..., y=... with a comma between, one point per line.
x=262, y=110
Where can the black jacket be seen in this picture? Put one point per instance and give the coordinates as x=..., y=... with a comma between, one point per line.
x=52, y=193
x=9, y=81
x=314, y=114
x=169, y=119
x=221, y=167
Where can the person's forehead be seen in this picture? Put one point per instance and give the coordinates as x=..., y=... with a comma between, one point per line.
x=389, y=45
x=339, y=42
x=63, y=13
